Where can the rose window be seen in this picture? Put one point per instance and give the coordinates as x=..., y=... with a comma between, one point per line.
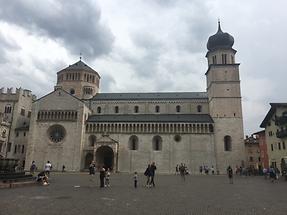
x=56, y=133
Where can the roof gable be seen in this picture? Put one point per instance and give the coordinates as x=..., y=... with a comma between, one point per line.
x=271, y=112
x=61, y=98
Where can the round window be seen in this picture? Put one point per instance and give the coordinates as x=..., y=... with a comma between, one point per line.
x=56, y=133
x=177, y=138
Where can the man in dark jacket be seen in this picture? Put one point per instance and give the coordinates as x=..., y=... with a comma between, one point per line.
x=152, y=174
x=102, y=177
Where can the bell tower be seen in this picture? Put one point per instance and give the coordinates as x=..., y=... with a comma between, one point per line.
x=224, y=97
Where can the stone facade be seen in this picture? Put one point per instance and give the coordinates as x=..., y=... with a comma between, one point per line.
x=15, y=111
x=75, y=124
x=4, y=131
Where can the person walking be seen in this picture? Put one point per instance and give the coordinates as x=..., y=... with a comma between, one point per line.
x=176, y=169
x=135, y=179
x=152, y=174
x=200, y=169
x=147, y=174
x=107, y=178
x=33, y=168
x=182, y=171
x=272, y=174
x=102, y=177
x=48, y=168
x=92, y=170
x=230, y=174
x=212, y=170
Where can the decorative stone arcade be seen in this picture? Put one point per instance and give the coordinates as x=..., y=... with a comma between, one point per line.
x=106, y=153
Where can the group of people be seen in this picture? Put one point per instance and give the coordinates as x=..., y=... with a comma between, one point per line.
x=272, y=172
x=205, y=169
x=42, y=176
x=182, y=170
x=104, y=174
x=150, y=173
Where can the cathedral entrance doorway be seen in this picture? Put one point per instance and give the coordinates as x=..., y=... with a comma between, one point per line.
x=88, y=160
x=105, y=157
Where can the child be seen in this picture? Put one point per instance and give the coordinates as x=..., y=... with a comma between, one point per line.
x=42, y=178
x=136, y=179
x=107, y=178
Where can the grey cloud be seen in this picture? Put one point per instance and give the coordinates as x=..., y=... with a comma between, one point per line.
x=75, y=24
x=107, y=83
x=6, y=45
x=145, y=63
x=197, y=26
x=166, y=3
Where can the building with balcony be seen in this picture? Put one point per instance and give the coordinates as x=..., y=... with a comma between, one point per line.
x=275, y=125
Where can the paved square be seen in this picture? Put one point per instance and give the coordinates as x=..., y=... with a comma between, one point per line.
x=75, y=194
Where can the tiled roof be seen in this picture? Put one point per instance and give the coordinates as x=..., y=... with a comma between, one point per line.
x=271, y=112
x=151, y=96
x=79, y=66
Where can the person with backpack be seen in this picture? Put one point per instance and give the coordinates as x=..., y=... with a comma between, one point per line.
x=33, y=168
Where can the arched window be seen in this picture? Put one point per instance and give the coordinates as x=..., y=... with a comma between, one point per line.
x=116, y=109
x=157, y=143
x=8, y=109
x=157, y=109
x=92, y=140
x=227, y=143
x=199, y=108
x=72, y=91
x=211, y=128
x=99, y=109
x=133, y=143
x=177, y=108
x=136, y=109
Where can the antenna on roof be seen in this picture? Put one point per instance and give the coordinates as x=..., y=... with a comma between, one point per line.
x=80, y=56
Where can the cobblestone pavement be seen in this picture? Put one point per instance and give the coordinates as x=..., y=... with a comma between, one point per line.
x=75, y=194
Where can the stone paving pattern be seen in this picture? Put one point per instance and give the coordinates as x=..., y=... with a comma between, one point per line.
x=70, y=194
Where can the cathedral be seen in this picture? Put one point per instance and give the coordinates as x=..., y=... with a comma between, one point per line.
x=76, y=124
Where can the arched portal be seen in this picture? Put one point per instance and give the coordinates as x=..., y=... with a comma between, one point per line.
x=88, y=159
x=105, y=157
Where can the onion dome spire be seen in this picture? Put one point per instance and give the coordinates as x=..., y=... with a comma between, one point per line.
x=220, y=40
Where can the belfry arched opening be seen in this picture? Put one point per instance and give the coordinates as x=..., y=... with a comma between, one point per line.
x=105, y=157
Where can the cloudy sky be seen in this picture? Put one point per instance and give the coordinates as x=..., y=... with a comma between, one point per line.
x=145, y=45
